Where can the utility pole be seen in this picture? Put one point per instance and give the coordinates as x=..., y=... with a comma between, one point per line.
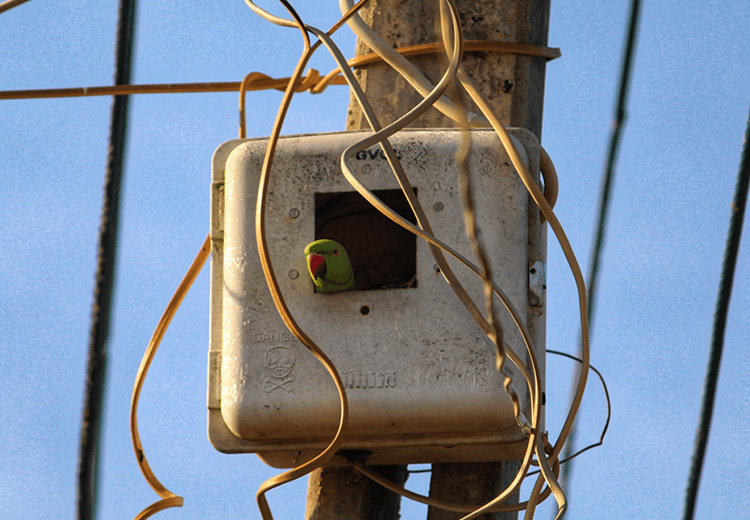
x=513, y=85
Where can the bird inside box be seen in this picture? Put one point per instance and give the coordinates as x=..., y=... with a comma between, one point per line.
x=383, y=254
x=329, y=266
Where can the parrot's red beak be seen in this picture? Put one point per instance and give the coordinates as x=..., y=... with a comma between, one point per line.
x=317, y=265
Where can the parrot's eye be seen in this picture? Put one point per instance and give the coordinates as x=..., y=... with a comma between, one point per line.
x=336, y=252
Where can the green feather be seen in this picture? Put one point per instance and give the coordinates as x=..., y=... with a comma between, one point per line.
x=336, y=274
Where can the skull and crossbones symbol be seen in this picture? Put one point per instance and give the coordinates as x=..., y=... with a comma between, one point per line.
x=279, y=363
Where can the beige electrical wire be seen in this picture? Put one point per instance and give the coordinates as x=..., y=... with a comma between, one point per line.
x=375, y=138
x=422, y=219
x=259, y=81
x=267, y=265
x=278, y=299
x=551, y=183
x=10, y=4
x=269, y=153
x=562, y=238
x=407, y=70
x=168, y=499
x=373, y=200
x=472, y=233
x=547, y=474
x=549, y=214
x=359, y=95
x=550, y=53
x=545, y=467
x=256, y=78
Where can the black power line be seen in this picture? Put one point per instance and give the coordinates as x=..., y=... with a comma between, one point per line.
x=105, y=271
x=605, y=193
x=720, y=323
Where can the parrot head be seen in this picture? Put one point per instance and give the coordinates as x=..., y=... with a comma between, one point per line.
x=329, y=266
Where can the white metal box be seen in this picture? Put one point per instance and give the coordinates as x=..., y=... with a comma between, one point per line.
x=419, y=372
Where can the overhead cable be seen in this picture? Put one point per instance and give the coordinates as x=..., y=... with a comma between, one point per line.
x=721, y=312
x=615, y=139
x=105, y=272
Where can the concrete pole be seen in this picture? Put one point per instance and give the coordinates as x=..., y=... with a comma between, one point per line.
x=514, y=88
x=512, y=84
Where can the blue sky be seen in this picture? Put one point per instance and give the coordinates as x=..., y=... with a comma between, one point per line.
x=675, y=180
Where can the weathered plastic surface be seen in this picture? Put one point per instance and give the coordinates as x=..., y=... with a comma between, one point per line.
x=419, y=372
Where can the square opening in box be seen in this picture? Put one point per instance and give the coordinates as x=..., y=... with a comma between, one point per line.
x=383, y=254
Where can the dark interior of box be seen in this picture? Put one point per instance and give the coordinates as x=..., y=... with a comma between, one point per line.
x=383, y=254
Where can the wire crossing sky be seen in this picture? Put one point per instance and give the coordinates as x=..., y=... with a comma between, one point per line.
x=90, y=447
x=731, y=252
x=605, y=193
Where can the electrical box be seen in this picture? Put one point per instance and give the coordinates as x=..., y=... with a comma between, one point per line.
x=419, y=373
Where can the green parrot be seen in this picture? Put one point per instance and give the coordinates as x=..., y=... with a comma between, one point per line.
x=329, y=266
